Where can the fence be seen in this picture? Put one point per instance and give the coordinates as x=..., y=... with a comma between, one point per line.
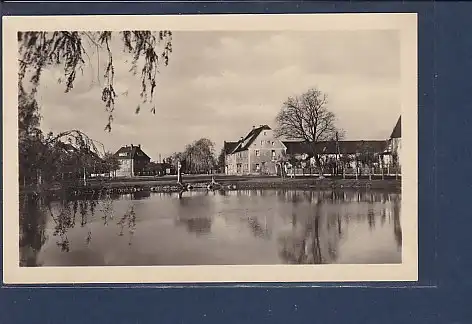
x=346, y=173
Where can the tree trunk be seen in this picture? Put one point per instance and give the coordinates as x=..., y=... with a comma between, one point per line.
x=319, y=164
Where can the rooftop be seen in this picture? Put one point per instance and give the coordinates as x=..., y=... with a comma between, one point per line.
x=333, y=147
x=131, y=151
x=244, y=143
x=397, y=130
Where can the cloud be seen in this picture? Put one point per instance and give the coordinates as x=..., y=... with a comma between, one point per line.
x=219, y=84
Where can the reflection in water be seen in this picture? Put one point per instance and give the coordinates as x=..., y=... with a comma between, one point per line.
x=201, y=227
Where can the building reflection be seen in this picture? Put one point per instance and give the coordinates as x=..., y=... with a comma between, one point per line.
x=32, y=229
x=192, y=212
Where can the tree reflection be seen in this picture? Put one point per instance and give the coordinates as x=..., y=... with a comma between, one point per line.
x=397, y=229
x=371, y=216
x=128, y=219
x=32, y=229
x=194, y=216
x=303, y=249
x=65, y=214
x=258, y=230
x=308, y=243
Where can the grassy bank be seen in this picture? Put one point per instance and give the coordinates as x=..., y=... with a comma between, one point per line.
x=227, y=182
x=390, y=184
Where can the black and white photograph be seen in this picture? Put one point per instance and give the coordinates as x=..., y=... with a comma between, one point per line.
x=210, y=148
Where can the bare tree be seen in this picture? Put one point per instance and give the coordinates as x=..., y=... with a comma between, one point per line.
x=307, y=118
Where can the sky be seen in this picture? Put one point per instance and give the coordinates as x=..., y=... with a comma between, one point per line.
x=219, y=84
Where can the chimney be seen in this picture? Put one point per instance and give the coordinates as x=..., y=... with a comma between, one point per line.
x=139, y=145
x=253, y=126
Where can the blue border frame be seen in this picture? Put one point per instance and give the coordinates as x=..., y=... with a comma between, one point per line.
x=445, y=72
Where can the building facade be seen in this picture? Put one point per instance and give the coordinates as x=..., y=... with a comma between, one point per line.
x=259, y=152
x=133, y=161
x=396, y=143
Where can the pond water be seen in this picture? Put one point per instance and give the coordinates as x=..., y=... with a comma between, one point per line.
x=207, y=228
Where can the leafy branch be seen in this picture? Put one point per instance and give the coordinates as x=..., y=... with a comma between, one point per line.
x=40, y=50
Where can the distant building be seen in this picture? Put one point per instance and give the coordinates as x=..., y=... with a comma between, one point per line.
x=260, y=152
x=133, y=161
x=256, y=153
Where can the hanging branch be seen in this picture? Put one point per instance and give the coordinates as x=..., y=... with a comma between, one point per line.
x=40, y=50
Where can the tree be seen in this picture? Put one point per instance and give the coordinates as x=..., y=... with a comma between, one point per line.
x=307, y=118
x=222, y=160
x=111, y=163
x=30, y=137
x=68, y=50
x=367, y=156
x=40, y=50
x=199, y=156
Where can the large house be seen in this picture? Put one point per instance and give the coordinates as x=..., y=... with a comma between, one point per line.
x=256, y=153
x=260, y=152
x=133, y=161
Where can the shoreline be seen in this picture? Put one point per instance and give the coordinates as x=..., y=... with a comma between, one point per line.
x=163, y=185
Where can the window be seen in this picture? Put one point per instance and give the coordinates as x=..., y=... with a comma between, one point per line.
x=262, y=142
x=123, y=154
x=273, y=154
x=273, y=143
x=257, y=168
x=268, y=142
x=258, y=153
x=265, y=133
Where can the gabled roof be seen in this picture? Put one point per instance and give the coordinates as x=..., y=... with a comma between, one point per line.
x=397, y=130
x=333, y=147
x=131, y=152
x=245, y=142
x=229, y=147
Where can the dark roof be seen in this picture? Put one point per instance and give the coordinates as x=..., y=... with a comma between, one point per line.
x=397, y=130
x=245, y=142
x=69, y=149
x=331, y=147
x=130, y=151
x=230, y=146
